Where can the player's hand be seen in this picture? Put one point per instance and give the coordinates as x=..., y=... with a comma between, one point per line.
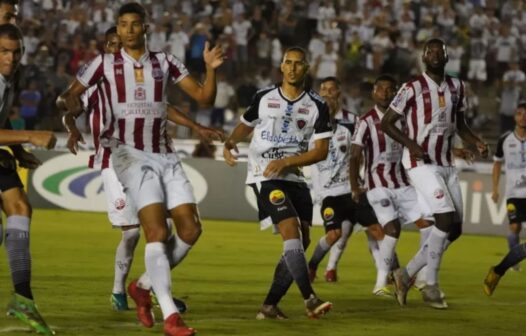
x=495, y=196
x=27, y=160
x=464, y=154
x=275, y=168
x=74, y=137
x=417, y=152
x=213, y=57
x=230, y=158
x=357, y=194
x=43, y=139
x=483, y=149
x=210, y=134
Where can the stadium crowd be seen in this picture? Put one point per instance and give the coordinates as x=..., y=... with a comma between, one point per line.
x=354, y=40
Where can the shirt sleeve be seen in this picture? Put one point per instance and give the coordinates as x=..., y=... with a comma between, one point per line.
x=499, y=153
x=360, y=133
x=400, y=101
x=89, y=74
x=251, y=115
x=176, y=68
x=322, y=125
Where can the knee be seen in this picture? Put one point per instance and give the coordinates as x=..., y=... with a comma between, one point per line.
x=392, y=229
x=332, y=236
x=191, y=233
x=131, y=237
x=19, y=207
x=156, y=234
x=376, y=232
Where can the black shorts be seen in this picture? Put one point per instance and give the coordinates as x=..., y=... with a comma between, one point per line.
x=336, y=209
x=283, y=199
x=516, y=208
x=9, y=178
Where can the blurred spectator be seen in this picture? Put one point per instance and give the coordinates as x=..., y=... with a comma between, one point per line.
x=157, y=38
x=326, y=65
x=17, y=122
x=510, y=95
x=263, y=49
x=477, y=59
x=242, y=33
x=224, y=94
x=29, y=100
x=178, y=41
x=455, y=51
x=263, y=78
x=506, y=47
x=204, y=149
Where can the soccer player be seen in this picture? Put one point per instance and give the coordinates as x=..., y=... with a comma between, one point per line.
x=432, y=107
x=134, y=81
x=283, y=119
x=393, y=199
x=14, y=199
x=511, y=149
x=330, y=179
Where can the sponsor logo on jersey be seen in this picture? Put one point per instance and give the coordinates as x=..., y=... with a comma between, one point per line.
x=300, y=123
x=511, y=208
x=328, y=213
x=512, y=145
x=385, y=202
x=439, y=194
x=277, y=197
x=273, y=154
x=274, y=105
x=280, y=138
x=302, y=110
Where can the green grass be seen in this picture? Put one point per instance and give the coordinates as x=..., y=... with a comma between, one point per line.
x=227, y=274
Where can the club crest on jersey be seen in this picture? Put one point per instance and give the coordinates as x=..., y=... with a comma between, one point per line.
x=300, y=123
x=140, y=93
x=328, y=214
x=385, y=202
x=120, y=203
x=274, y=105
x=442, y=116
x=157, y=74
x=439, y=194
x=277, y=197
x=343, y=148
x=511, y=208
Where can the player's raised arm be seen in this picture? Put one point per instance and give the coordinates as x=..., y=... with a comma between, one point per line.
x=205, y=92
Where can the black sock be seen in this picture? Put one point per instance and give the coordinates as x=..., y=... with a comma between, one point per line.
x=515, y=256
x=297, y=265
x=280, y=283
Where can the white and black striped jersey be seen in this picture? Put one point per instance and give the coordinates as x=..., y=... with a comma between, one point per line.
x=330, y=177
x=512, y=150
x=283, y=128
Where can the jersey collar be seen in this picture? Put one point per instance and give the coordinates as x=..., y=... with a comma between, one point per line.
x=287, y=99
x=136, y=63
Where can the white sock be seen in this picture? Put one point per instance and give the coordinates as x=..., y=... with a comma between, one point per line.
x=387, y=249
x=176, y=250
x=435, y=248
x=144, y=281
x=124, y=258
x=337, y=249
x=158, y=269
x=374, y=248
x=420, y=258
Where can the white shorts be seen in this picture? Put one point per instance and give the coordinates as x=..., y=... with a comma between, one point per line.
x=391, y=204
x=121, y=211
x=150, y=178
x=439, y=187
x=477, y=70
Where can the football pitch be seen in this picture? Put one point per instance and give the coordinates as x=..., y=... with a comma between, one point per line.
x=227, y=274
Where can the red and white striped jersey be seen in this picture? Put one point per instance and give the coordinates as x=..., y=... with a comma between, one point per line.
x=135, y=91
x=430, y=115
x=383, y=166
x=95, y=104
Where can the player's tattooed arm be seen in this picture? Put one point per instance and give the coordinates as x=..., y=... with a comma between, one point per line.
x=241, y=132
x=465, y=132
x=389, y=127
